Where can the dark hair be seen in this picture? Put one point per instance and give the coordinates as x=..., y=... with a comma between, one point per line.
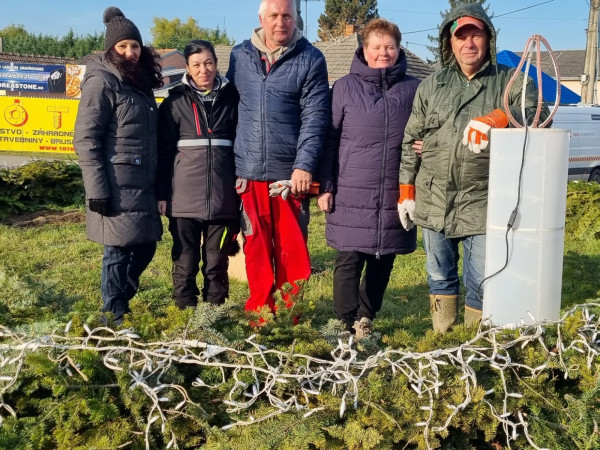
x=381, y=27
x=145, y=73
x=198, y=46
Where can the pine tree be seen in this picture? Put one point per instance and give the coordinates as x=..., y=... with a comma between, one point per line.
x=339, y=13
x=18, y=40
x=452, y=4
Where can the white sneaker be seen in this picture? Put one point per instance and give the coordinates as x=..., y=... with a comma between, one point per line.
x=363, y=328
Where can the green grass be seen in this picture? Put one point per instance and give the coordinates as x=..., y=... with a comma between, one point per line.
x=51, y=274
x=57, y=264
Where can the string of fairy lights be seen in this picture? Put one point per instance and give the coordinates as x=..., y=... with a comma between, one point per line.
x=288, y=381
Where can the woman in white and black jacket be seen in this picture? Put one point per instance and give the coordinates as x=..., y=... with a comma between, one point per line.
x=196, y=176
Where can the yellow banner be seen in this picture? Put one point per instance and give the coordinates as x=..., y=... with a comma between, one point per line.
x=37, y=124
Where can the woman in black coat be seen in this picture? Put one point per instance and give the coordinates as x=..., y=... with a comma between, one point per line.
x=115, y=140
x=359, y=174
x=196, y=179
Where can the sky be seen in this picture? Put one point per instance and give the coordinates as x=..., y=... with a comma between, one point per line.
x=562, y=22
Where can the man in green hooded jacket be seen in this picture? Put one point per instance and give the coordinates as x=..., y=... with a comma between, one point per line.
x=445, y=158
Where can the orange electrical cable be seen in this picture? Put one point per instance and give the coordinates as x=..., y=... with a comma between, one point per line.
x=537, y=39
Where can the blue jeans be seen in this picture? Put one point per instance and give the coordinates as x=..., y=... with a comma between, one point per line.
x=121, y=270
x=442, y=265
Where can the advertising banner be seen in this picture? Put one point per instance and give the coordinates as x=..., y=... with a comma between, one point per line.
x=32, y=77
x=42, y=78
x=37, y=124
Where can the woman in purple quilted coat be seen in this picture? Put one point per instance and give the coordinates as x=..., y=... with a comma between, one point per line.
x=359, y=174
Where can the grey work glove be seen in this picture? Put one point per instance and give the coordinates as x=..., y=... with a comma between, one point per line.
x=99, y=205
x=406, y=212
x=282, y=188
x=241, y=184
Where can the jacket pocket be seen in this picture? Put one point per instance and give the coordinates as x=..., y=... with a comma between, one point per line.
x=127, y=171
x=432, y=121
x=344, y=156
x=176, y=168
x=424, y=197
x=432, y=126
x=440, y=113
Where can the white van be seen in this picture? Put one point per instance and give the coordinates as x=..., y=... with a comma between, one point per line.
x=583, y=122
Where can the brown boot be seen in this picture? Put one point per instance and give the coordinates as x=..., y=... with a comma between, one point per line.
x=472, y=316
x=444, y=312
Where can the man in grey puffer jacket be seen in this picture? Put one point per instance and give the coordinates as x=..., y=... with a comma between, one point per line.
x=445, y=188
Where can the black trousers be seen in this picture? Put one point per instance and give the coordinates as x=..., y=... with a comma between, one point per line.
x=353, y=298
x=195, y=241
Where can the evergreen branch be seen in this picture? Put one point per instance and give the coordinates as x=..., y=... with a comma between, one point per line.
x=289, y=381
x=92, y=386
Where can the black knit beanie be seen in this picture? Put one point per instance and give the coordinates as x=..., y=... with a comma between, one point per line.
x=118, y=28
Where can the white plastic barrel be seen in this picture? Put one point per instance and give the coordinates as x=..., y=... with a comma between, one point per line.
x=530, y=287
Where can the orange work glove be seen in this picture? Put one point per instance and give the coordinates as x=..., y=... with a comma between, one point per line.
x=406, y=205
x=476, y=133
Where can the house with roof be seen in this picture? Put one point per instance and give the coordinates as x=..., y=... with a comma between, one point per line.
x=35, y=59
x=173, y=67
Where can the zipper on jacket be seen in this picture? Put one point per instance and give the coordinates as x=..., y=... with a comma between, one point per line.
x=264, y=125
x=212, y=112
x=209, y=158
x=258, y=60
x=263, y=62
x=209, y=121
x=209, y=176
x=385, y=150
x=198, y=129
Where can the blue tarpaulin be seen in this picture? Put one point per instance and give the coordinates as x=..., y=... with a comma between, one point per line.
x=510, y=59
